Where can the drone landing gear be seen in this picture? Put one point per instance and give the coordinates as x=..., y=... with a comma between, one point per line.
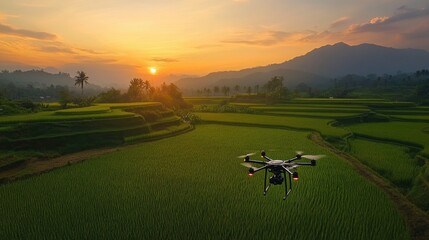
x=277, y=180
x=287, y=191
x=265, y=183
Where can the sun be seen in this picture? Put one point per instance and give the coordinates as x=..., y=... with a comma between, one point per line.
x=152, y=70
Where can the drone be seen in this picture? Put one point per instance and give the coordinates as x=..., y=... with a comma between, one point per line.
x=279, y=167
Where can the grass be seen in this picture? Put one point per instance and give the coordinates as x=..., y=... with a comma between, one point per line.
x=394, y=162
x=157, y=190
x=317, y=124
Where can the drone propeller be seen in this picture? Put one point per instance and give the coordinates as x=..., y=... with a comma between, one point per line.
x=313, y=157
x=299, y=152
x=246, y=155
x=248, y=165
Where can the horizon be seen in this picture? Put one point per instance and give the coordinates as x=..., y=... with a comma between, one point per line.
x=116, y=42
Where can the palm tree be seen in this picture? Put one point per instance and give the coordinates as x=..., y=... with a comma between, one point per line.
x=80, y=79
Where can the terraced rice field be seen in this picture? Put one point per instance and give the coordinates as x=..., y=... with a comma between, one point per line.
x=318, y=124
x=193, y=187
x=394, y=162
x=406, y=132
x=52, y=116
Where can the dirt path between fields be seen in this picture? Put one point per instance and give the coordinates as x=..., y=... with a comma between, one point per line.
x=417, y=220
x=36, y=167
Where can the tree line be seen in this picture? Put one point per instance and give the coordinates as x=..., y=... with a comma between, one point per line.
x=138, y=90
x=398, y=87
x=141, y=90
x=274, y=88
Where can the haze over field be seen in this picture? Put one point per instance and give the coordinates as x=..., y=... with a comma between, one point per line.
x=115, y=41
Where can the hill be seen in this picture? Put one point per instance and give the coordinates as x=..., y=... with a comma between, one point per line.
x=315, y=67
x=251, y=77
x=341, y=59
x=40, y=79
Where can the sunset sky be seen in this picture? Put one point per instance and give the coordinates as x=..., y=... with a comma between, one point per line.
x=114, y=41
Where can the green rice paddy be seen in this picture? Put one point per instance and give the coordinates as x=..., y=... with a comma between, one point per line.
x=401, y=132
x=318, y=124
x=394, y=162
x=193, y=187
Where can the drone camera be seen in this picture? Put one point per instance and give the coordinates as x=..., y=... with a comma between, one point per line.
x=276, y=179
x=295, y=176
x=313, y=162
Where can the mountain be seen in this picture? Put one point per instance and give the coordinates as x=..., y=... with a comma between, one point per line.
x=40, y=79
x=251, y=78
x=341, y=59
x=318, y=65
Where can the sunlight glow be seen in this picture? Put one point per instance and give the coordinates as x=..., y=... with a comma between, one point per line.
x=152, y=70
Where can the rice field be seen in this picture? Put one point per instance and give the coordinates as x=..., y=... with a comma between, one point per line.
x=418, y=118
x=318, y=124
x=394, y=162
x=51, y=116
x=193, y=187
x=406, y=132
x=329, y=115
x=128, y=105
x=84, y=110
x=314, y=109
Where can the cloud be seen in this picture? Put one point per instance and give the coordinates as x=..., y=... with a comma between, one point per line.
x=267, y=38
x=167, y=60
x=89, y=51
x=378, y=23
x=4, y=16
x=8, y=30
x=55, y=49
x=340, y=22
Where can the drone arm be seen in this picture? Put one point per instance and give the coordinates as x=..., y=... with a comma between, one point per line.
x=292, y=159
x=312, y=163
x=266, y=157
x=252, y=170
x=287, y=170
x=256, y=161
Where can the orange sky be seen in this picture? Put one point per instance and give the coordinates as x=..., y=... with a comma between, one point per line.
x=114, y=41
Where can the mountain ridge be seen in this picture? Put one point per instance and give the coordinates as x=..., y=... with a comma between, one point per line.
x=329, y=61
